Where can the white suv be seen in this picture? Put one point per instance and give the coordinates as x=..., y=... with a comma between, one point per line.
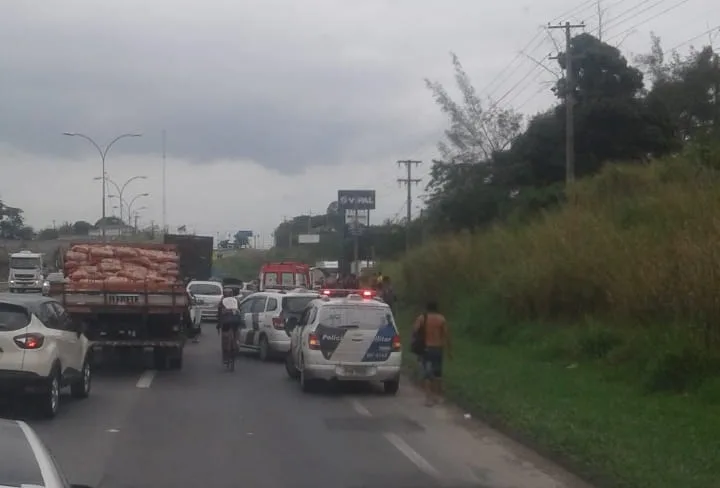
x=42, y=350
x=264, y=317
x=345, y=339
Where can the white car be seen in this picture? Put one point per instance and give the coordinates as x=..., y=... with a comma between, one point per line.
x=42, y=350
x=345, y=339
x=206, y=296
x=264, y=317
x=26, y=460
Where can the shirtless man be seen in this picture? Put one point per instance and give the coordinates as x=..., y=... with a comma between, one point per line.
x=437, y=344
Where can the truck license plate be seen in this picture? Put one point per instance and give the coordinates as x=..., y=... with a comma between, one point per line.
x=123, y=299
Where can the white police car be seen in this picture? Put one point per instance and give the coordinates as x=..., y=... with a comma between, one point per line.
x=345, y=339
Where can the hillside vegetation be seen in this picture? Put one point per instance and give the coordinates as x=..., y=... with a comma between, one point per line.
x=594, y=328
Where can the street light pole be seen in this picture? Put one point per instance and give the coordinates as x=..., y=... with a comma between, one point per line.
x=103, y=155
x=133, y=201
x=121, y=189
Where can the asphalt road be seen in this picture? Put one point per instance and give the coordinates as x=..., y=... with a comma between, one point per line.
x=203, y=426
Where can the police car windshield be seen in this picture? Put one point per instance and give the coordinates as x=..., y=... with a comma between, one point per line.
x=360, y=317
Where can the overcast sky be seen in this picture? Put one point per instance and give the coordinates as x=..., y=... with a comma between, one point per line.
x=270, y=106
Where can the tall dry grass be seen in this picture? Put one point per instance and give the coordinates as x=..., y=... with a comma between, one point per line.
x=637, y=243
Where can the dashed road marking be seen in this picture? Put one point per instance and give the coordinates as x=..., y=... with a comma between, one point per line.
x=399, y=444
x=360, y=408
x=410, y=453
x=146, y=379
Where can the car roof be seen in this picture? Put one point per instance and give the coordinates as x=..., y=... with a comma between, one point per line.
x=19, y=461
x=200, y=282
x=30, y=301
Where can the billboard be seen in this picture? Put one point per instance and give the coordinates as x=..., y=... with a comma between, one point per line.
x=356, y=199
x=309, y=239
x=361, y=218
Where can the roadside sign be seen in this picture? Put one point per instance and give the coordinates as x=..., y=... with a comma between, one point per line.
x=356, y=199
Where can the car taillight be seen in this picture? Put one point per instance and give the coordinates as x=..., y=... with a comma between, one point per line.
x=367, y=293
x=326, y=292
x=313, y=342
x=396, y=343
x=29, y=341
x=279, y=322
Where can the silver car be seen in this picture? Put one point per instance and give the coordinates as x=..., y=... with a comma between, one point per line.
x=25, y=459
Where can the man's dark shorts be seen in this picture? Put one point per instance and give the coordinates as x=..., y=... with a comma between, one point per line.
x=432, y=362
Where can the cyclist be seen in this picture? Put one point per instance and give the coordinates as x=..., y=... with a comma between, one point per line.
x=228, y=320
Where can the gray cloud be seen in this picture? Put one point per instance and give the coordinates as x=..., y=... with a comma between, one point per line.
x=284, y=102
x=285, y=83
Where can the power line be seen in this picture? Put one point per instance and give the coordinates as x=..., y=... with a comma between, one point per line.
x=614, y=19
x=663, y=12
x=541, y=30
x=688, y=41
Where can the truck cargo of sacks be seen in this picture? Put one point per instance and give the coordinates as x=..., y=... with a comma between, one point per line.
x=99, y=265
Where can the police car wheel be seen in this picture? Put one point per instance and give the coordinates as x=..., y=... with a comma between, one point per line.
x=306, y=384
x=391, y=387
x=264, y=349
x=292, y=371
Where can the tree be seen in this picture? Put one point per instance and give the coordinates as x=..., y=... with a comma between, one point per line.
x=48, y=234
x=463, y=177
x=475, y=134
x=112, y=220
x=689, y=92
x=81, y=228
x=11, y=222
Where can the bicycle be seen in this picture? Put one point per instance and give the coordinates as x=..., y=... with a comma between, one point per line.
x=228, y=342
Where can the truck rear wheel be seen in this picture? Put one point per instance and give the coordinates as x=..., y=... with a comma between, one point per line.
x=176, y=361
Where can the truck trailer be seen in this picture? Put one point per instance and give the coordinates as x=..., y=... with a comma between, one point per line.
x=128, y=296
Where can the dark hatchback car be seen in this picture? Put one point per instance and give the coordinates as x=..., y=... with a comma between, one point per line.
x=25, y=461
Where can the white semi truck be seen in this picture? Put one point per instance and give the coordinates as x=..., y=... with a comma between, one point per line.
x=26, y=272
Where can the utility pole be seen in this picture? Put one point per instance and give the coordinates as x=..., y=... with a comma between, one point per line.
x=408, y=182
x=569, y=100
x=164, y=183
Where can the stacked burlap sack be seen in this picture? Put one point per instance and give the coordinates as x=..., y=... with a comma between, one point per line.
x=110, y=264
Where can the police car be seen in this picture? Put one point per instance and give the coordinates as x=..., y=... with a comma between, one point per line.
x=353, y=338
x=264, y=316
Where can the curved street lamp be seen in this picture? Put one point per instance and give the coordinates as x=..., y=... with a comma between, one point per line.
x=129, y=207
x=120, y=189
x=103, y=156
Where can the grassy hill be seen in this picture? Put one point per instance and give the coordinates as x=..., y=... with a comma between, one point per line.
x=594, y=330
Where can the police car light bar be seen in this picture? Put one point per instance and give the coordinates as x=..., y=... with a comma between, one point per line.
x=340, y=292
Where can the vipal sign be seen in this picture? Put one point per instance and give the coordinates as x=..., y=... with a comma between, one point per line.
x=356, y=199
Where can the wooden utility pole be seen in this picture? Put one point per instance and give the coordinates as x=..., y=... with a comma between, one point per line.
x=569, y=100
x=408, y=182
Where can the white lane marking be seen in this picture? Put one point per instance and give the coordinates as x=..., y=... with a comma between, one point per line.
x=402, y=446
x=410, y=453
x=360, y=408
x=146, y=379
